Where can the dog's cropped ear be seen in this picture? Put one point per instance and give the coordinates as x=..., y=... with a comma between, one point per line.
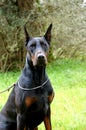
x=48, y=34
x=26, y=35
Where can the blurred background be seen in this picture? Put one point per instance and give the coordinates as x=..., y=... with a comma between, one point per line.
x=68, y=35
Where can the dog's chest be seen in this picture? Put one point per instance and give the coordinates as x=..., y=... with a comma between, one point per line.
x=38, y=101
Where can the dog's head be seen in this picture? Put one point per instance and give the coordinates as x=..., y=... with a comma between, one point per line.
x=38, y=47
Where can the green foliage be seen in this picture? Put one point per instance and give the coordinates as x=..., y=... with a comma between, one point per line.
x=68, y=78
x=71, y=29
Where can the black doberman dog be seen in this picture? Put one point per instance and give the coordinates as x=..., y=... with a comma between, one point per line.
x=29, y=102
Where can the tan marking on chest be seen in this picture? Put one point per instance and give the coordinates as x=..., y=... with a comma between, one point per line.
x=30, y=100
x=25, y=128
x=50, y=97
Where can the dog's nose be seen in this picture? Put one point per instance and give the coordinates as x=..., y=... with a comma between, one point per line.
x=41, y=57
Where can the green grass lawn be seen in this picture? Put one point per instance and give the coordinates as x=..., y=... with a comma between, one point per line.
x=68, y=78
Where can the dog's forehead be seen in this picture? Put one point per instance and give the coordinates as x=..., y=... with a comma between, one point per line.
x=37, y=40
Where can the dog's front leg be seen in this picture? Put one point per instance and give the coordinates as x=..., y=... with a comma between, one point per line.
x=47, y=123
x=47, y=120
x=20, y=121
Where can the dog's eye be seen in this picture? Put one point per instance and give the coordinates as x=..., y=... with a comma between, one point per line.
x=43, y=44
x=33, y=46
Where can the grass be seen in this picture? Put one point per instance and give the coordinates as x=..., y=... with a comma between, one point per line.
x=68, y=78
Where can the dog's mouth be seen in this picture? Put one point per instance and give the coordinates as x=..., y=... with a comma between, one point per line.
x=41, y=62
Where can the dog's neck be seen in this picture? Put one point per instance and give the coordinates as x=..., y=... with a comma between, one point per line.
x=37, y=72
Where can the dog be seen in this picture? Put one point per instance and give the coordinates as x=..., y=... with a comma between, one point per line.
x=29, y=102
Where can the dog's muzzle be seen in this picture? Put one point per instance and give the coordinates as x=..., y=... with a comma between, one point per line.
x=41, y=59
